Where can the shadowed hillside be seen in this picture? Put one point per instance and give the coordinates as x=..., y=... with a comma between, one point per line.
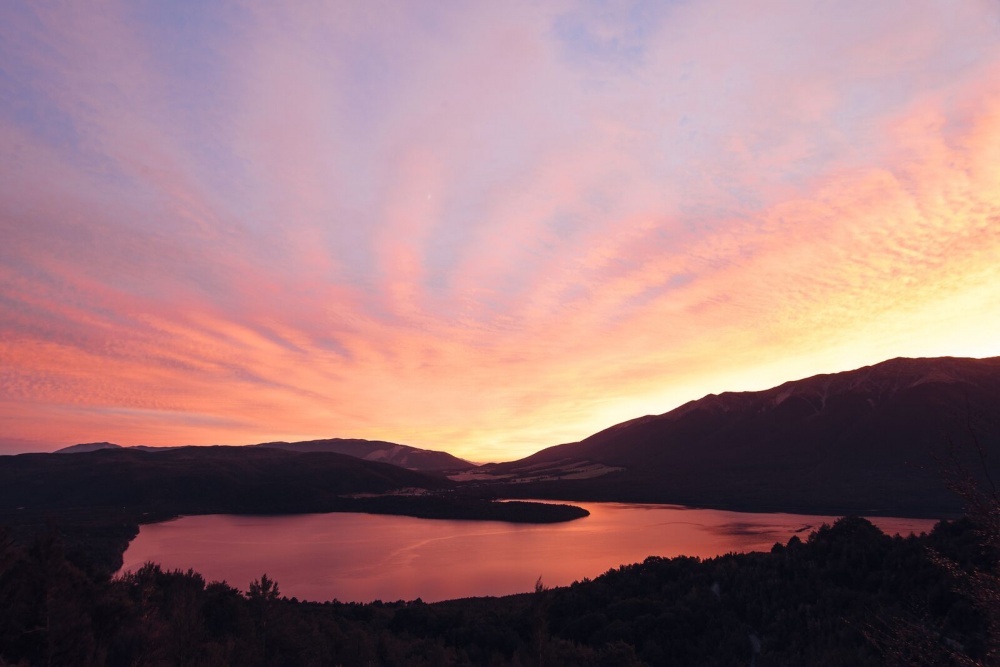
x=877, y=439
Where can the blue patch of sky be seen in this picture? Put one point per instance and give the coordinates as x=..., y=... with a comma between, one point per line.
x=24, y=100
x=29, y=108
x=372, y=75
x=372, y=72
x=188, y=41
x=183, y=36
x=610, y=32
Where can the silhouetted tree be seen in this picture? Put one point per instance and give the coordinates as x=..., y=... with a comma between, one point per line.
x=979, y=584
x=263, y=595
x=913, y=637
x=541, y=609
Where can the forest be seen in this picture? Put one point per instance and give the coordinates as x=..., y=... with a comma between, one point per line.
x=846, y=595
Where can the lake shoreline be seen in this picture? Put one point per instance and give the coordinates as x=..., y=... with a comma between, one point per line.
x=361, y=557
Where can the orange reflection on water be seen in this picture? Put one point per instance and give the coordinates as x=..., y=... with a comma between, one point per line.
x=363, y=557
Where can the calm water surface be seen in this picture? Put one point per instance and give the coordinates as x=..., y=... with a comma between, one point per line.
x=364, y=557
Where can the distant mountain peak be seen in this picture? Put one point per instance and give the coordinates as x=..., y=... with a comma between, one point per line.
x=403, y=456
x=85, y=447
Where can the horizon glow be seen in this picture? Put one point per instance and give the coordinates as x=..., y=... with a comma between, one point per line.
x=483, y=228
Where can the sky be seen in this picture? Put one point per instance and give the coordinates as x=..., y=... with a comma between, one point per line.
x=479, y=227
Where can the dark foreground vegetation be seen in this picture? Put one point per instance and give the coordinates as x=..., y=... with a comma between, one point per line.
x=848, y=595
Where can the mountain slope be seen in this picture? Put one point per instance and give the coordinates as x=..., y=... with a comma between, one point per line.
x=874, y=439
x=197, y=480
x=403, y=456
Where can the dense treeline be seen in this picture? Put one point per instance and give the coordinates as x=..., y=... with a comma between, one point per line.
x=838, y=598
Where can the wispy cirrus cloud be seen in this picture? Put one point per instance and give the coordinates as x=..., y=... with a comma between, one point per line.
x=480, y=227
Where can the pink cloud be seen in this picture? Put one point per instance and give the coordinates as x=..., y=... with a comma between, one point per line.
x=460, y=228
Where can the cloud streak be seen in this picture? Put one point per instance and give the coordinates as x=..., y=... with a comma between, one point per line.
x=485, y=228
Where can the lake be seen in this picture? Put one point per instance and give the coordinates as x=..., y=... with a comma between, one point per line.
x=365, y=557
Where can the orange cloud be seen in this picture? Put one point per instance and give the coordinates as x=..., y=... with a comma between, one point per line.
x=485, y=229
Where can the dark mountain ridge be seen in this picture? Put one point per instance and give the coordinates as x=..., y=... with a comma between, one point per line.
x=403, y=456
x=877, y=439
x=86, y=447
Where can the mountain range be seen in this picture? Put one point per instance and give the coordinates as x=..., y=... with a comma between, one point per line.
x=404, y=456
x=879, y=439
x=883, y=439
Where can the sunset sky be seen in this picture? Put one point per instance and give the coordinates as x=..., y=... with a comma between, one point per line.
x=482, y=227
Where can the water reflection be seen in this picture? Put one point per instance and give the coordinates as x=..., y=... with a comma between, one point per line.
x=363, y=557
